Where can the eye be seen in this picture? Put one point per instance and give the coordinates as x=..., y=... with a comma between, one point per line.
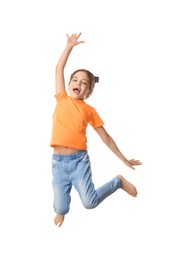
x=84, y=83
x=74, y=80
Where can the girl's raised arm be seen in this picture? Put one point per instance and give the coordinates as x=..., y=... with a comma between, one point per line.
x=59, y=74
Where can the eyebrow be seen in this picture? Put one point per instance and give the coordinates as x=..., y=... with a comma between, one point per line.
x=82, y=79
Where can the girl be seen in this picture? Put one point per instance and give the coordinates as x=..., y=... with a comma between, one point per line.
x=70, y=160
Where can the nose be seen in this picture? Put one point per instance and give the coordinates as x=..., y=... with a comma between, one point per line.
x=79, y=83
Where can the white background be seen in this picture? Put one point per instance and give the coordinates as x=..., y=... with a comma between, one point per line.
x=130, y=45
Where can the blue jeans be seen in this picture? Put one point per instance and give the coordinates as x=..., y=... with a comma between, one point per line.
x=75, y=169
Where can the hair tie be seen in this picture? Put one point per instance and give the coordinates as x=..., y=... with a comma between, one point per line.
x=96, y=79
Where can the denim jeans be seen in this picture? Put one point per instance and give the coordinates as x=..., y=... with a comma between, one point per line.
x=75, y=170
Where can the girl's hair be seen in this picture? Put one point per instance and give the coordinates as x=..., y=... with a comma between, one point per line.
x=93, y=79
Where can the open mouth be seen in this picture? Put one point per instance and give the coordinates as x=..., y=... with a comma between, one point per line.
x=76, y=90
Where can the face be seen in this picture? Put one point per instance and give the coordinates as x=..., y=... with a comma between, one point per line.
x=79, y=86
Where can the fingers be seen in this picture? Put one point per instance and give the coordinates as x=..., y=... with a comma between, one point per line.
x=78, y=35
x=73, y=39
x=74, y=35
x=135, y=162
x=131, y=163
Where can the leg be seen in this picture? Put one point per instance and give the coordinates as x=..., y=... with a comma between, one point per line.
x=61, y=188
x=82, y=181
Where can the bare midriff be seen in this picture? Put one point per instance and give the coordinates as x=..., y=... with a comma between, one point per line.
x=64, y=150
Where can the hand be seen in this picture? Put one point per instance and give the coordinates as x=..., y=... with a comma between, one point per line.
x=73, y=40
x=132, y=162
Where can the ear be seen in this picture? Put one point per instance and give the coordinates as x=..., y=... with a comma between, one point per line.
x=90, y=91
x=87, y=93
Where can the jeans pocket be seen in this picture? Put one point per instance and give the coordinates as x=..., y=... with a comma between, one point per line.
x=84, y=157
x=54, y=162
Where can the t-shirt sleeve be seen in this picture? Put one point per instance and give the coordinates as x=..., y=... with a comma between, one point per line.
x=61, y=95
x=96, y=120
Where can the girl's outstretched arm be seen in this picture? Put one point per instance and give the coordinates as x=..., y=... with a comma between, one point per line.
x=107, y=139
x=59, y=73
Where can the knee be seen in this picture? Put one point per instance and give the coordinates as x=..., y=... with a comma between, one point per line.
x=90, y=204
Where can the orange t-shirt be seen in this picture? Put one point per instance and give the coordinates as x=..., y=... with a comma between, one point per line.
x=70, y=120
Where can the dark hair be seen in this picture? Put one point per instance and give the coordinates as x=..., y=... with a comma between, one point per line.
x=93, y=79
